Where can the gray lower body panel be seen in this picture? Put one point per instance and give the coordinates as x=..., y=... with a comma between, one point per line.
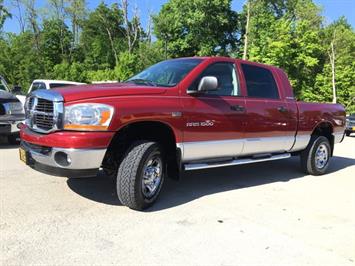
x=204, y=150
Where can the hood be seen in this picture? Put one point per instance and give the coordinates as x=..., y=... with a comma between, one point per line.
x=7, y=97
x=82, y=92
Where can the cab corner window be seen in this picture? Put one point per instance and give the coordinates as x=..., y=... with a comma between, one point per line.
x=260, y=82
x=227, y=79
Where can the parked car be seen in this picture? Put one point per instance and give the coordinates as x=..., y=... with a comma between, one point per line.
x=11, y=113
x=350, y=124
x=44, y=84
x=178, y=115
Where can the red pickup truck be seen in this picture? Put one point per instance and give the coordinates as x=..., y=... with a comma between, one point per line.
x=178, y=115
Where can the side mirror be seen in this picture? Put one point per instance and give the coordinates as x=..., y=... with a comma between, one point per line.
x=208, y=83
x=17, y=89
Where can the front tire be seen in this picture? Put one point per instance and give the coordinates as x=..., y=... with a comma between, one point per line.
x=140, y=175
x=347, y=134
x=315, y=158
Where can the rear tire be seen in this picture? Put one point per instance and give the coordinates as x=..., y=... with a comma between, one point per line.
x=140, y=175
x=315, y=158
x=347, y=134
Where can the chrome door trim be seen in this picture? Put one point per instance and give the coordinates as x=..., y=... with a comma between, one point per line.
x=301, y=142
x=267, y=145
x=202, y=150
x=199, y=150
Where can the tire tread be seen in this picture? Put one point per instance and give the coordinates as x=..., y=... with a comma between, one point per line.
x=128, y=172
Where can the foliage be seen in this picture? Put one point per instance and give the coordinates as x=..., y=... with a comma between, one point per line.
x=4, y=14
x=189, y=27
x=108, y=43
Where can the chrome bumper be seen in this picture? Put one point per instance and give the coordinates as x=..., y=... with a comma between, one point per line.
x=70, y=159
x=13, y=126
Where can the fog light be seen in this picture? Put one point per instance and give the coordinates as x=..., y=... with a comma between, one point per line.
x=62, y=158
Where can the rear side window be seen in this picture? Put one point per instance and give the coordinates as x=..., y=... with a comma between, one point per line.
x=260, y=82
x=59, y=85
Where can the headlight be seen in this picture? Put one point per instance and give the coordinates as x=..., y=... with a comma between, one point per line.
x=87, y=116
x=14, y=107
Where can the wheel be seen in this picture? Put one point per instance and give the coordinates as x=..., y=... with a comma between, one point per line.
x=13, y=139
x=140, y=175
x=347, y=134
x=315, y=158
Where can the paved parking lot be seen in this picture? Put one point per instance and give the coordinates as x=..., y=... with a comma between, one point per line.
x=263, y=214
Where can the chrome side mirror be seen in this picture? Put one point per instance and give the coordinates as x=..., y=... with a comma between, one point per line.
x=208, y=83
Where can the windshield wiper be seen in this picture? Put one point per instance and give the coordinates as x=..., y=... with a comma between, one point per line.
x=144, y=81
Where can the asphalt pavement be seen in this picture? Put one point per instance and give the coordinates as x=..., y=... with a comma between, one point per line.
x=262, y=214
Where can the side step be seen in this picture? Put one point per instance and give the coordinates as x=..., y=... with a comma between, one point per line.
x=197, y=166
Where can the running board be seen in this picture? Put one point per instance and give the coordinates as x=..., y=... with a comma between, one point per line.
x=197, y=166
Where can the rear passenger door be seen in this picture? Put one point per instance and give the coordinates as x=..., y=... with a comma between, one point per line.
x=270, y=126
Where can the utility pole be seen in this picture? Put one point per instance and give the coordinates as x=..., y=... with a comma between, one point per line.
x=332, y=63
x=245, y=52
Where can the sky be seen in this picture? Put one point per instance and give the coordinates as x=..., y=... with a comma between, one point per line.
x=332, y=9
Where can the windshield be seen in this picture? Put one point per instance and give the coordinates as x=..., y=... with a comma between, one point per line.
x=38, y=86
x=3, y=85
x=167, y=73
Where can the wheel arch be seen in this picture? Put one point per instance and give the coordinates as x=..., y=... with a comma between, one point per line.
x=151, y=130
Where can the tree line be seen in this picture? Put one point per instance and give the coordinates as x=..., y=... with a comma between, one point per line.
x=66, y=40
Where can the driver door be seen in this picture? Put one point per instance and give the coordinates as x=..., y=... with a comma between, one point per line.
x=215, y=120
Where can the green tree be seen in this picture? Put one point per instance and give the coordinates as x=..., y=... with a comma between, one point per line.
x=56, y=40
x=341, y=37
x=77, y=12
x=196, y=27
x=4, y=14
x=102, y=37
x=287, y=33
x=19, y=59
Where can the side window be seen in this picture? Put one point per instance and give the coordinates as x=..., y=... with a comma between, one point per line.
x=260, y=82
x=227, y=79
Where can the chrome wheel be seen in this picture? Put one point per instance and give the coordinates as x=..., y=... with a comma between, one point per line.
x=321, y=156
x=152, y=176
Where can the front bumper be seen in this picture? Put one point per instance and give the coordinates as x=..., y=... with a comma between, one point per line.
x=63, y=161
x=9, y=127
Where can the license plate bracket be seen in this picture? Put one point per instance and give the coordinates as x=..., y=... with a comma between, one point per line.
x=23, y=155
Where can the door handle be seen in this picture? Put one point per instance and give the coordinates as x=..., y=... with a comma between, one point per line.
x=282, y=109
x=238, y=108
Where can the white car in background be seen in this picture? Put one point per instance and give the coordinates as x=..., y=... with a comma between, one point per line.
x=46, y=84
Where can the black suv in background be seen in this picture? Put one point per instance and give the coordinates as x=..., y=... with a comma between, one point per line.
x=11, y=113
x=350, y=124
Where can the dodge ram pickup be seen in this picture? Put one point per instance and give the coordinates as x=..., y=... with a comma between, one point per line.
x=178, y=115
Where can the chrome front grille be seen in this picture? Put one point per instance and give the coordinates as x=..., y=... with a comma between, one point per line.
x=43, y=115
x=44, y=111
